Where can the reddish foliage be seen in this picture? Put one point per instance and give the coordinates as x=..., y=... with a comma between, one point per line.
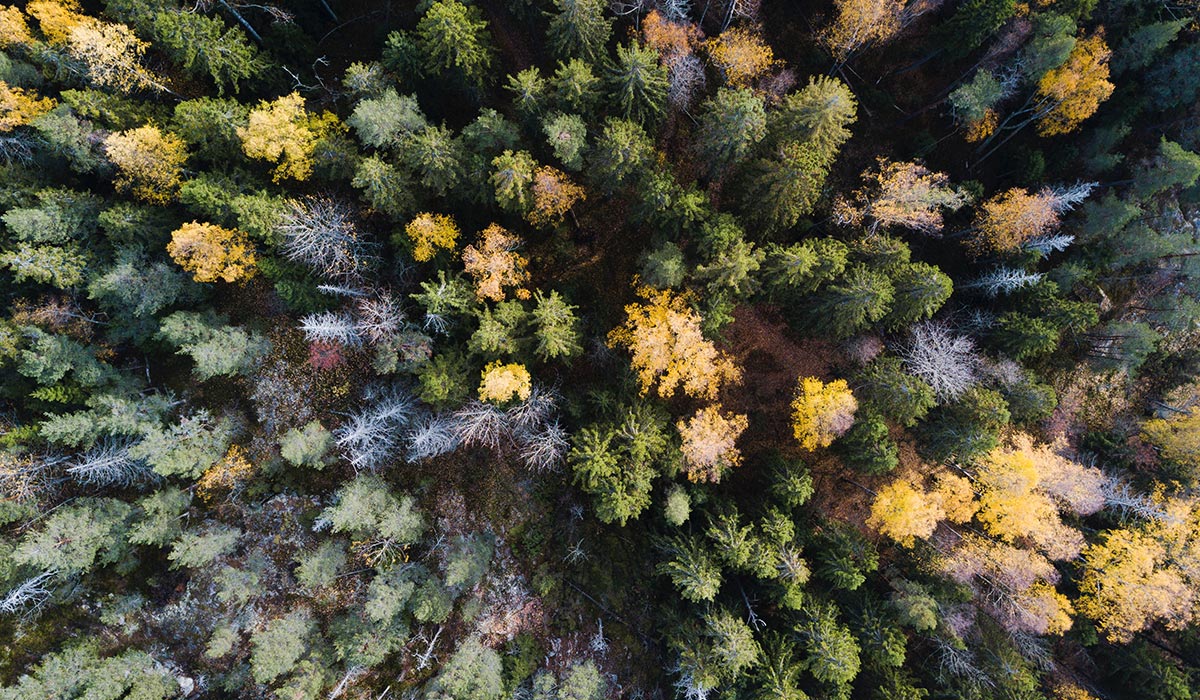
x=324, y=355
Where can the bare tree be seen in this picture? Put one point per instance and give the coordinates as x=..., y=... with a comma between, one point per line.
x=371, y=437
x=432, y=435
x=544, y=450
x=30, y=594
x=1004, y=280
x=1045, y=245
x=109, y=464
x=946, y=361
x=685, y=80
x=1121, y=496
x=482, y=424
x=1063, y=198
x=380, y=318
x=321, y=233
x=331, y=326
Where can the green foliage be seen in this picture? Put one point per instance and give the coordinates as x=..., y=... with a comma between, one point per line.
x=567, y=136
x=366, y=507
x=678, y=505
x=454, y=37
x=204, y=45
x=187, y=448
x=278, y=646
x=694, y=571
x=578, y=28
x=387, y=120
x=320, y=567
x=556, y=329
x=199, y=549
x=217, y=349
x=867, y=446
x=784, y=186
x=73, y=540
x=638, y=83
x=307, y=446
x=860, y=298
x=731, y=124
x=884, y=387
x=472, y=673
x=78, y=671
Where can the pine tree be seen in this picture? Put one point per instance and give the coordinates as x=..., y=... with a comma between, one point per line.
x=638, y=83
x=579, y=29
x=454, y=37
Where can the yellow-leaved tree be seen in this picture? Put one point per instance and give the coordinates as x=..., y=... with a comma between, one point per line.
x=430, y=232
x=14, y=30
x=1010, y=218
x=149, y=162
x=226, y=475
x=709, y=442
x=1073, y=91
x=900, y=194
x=663, y=334
x=56, y=18
x=283, y=132
x=1177, y=439
x=822, y=412
x=502, y=383
x=494, y=264
x=905, y=513
x=741, y=55
x=212, y=253
x=553, y=196
x=18, y=107
x=1145, y=573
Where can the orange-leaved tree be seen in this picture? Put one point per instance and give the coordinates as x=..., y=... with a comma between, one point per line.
x=494, y=264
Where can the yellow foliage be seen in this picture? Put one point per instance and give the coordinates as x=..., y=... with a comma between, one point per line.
x=111, y=54
x=18, y=107
x=501, y=383
x=956, y=497
x=860, y=23
x=669, y=349
x=1127, y=585
x=671, y=40
x=14, y=30
x=709, y=442
x=1009, y=219
x=494, y=265
x=56, y=18
x=284, y=133
x=983, y=127
x=1044, y=610
x=900, y=194
x=224, y=476
x=1177, y=438
x=822, y=412
x=1023, y=486
x=428, y=232
x=741, y=55
x=553, y=196
x=1070, y=691
x=149, y=162
x=904, y=513
x=211, y=253
x=1076, y=88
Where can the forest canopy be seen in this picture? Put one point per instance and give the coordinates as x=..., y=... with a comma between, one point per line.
x=588, y=349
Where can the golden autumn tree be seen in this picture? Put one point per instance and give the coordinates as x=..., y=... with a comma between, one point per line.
x=709, y=442
x=822, y=412
x=741, y=55
x=226, y=475
x=860, y=23
x=501, y=383
x=1010, y=218
x=1024, y=485
x=56, y=18
x=283, y=132
x=1177, y=438
x=900, y=194
x=905, y=513
x=212, y=253
x=671, y=40
x=18, y=107
x=553, y=196
x=149, y=162
x=1073, y=92
x=430, y=232
x=14, y=29
x=494, y=264
x=1129, y=583
x=669, y=349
